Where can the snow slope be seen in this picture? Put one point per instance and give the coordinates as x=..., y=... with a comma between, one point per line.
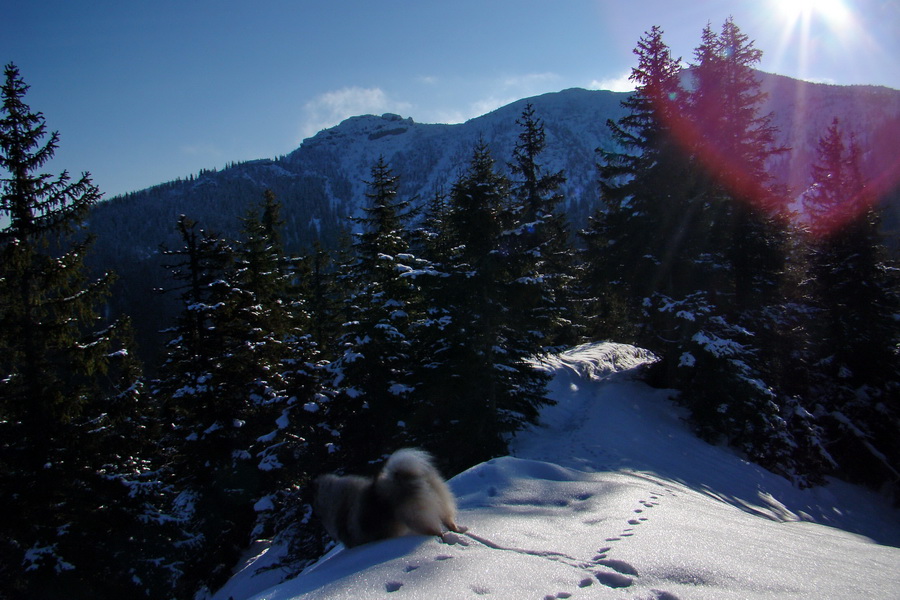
x=612, y=496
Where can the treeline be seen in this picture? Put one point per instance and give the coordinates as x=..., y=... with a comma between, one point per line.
x=276, y=370
x=780, y=333
x=779, y=329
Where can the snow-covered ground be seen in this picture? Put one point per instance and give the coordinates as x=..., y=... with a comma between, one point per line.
x=612, y=496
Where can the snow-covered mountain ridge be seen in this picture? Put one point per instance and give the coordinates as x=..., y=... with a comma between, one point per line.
x=322, y=181
x=611, y=496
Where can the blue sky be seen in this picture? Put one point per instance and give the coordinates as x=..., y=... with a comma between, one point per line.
x=146, y=91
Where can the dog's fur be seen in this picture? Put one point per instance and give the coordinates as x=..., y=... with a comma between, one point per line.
x=407, y=496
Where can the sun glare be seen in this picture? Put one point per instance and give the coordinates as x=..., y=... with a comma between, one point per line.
x=811, y=29
x=833, y=12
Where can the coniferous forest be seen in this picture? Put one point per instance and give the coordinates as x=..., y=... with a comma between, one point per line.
x=122, y=479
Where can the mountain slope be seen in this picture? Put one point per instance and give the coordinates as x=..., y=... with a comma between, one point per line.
x=610, y=497
x=323, y=181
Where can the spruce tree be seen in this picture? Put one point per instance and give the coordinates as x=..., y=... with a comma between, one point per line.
x=372, y=371
x=439, y=342
x=635, y=244
x=482, y=386
x=837, y=193
x=733, y=143
x=735, y=260
x=275, y=389
x=192, y=389
x=198, y=271
x=264, y=353
x=854, y=291
x=689, y=239
x=241, y=387
x=72, y=420
x=434, y=236
x=541, y=255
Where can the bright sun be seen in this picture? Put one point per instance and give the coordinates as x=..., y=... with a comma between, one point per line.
x=810, y=26
x=831, y=11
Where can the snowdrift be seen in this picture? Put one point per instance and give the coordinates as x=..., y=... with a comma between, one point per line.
x=612, y=496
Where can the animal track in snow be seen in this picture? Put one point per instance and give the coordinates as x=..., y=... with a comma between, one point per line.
x=613, y=579
x=452, y=539
x=620, y=566
x=395, y=584
x=610, y=572
x=618, y=574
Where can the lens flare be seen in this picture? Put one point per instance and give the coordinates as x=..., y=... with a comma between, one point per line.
x=832, y=11
x=831, y=28
x=812, y=29
x=806, y=26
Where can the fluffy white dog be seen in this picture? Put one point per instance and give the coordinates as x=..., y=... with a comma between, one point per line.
x=407, y=496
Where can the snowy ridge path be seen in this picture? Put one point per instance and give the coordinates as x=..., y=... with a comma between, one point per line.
x=610, y=422
x=611, y=496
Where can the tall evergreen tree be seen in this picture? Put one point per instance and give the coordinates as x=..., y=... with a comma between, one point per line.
x=734, y=143
x=199, y=272
x=275, y=387
x=373, y=376
x=439, y=342
x=838, y=193
x=241, y=387
x=855, y=295
x=542, y=253
x=192, y=389
x=434, y=236
x=689, y=239
x=71, y=412
x=479, y=383
x=636, y=242
x=239, y=383
x=735, y=263
x=268, y=359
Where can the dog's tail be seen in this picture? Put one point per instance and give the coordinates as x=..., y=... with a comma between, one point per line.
x=422, y=500
x=406, y=474
x=408, y=463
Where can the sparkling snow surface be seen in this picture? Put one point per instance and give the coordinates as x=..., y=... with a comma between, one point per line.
x=612, y=496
